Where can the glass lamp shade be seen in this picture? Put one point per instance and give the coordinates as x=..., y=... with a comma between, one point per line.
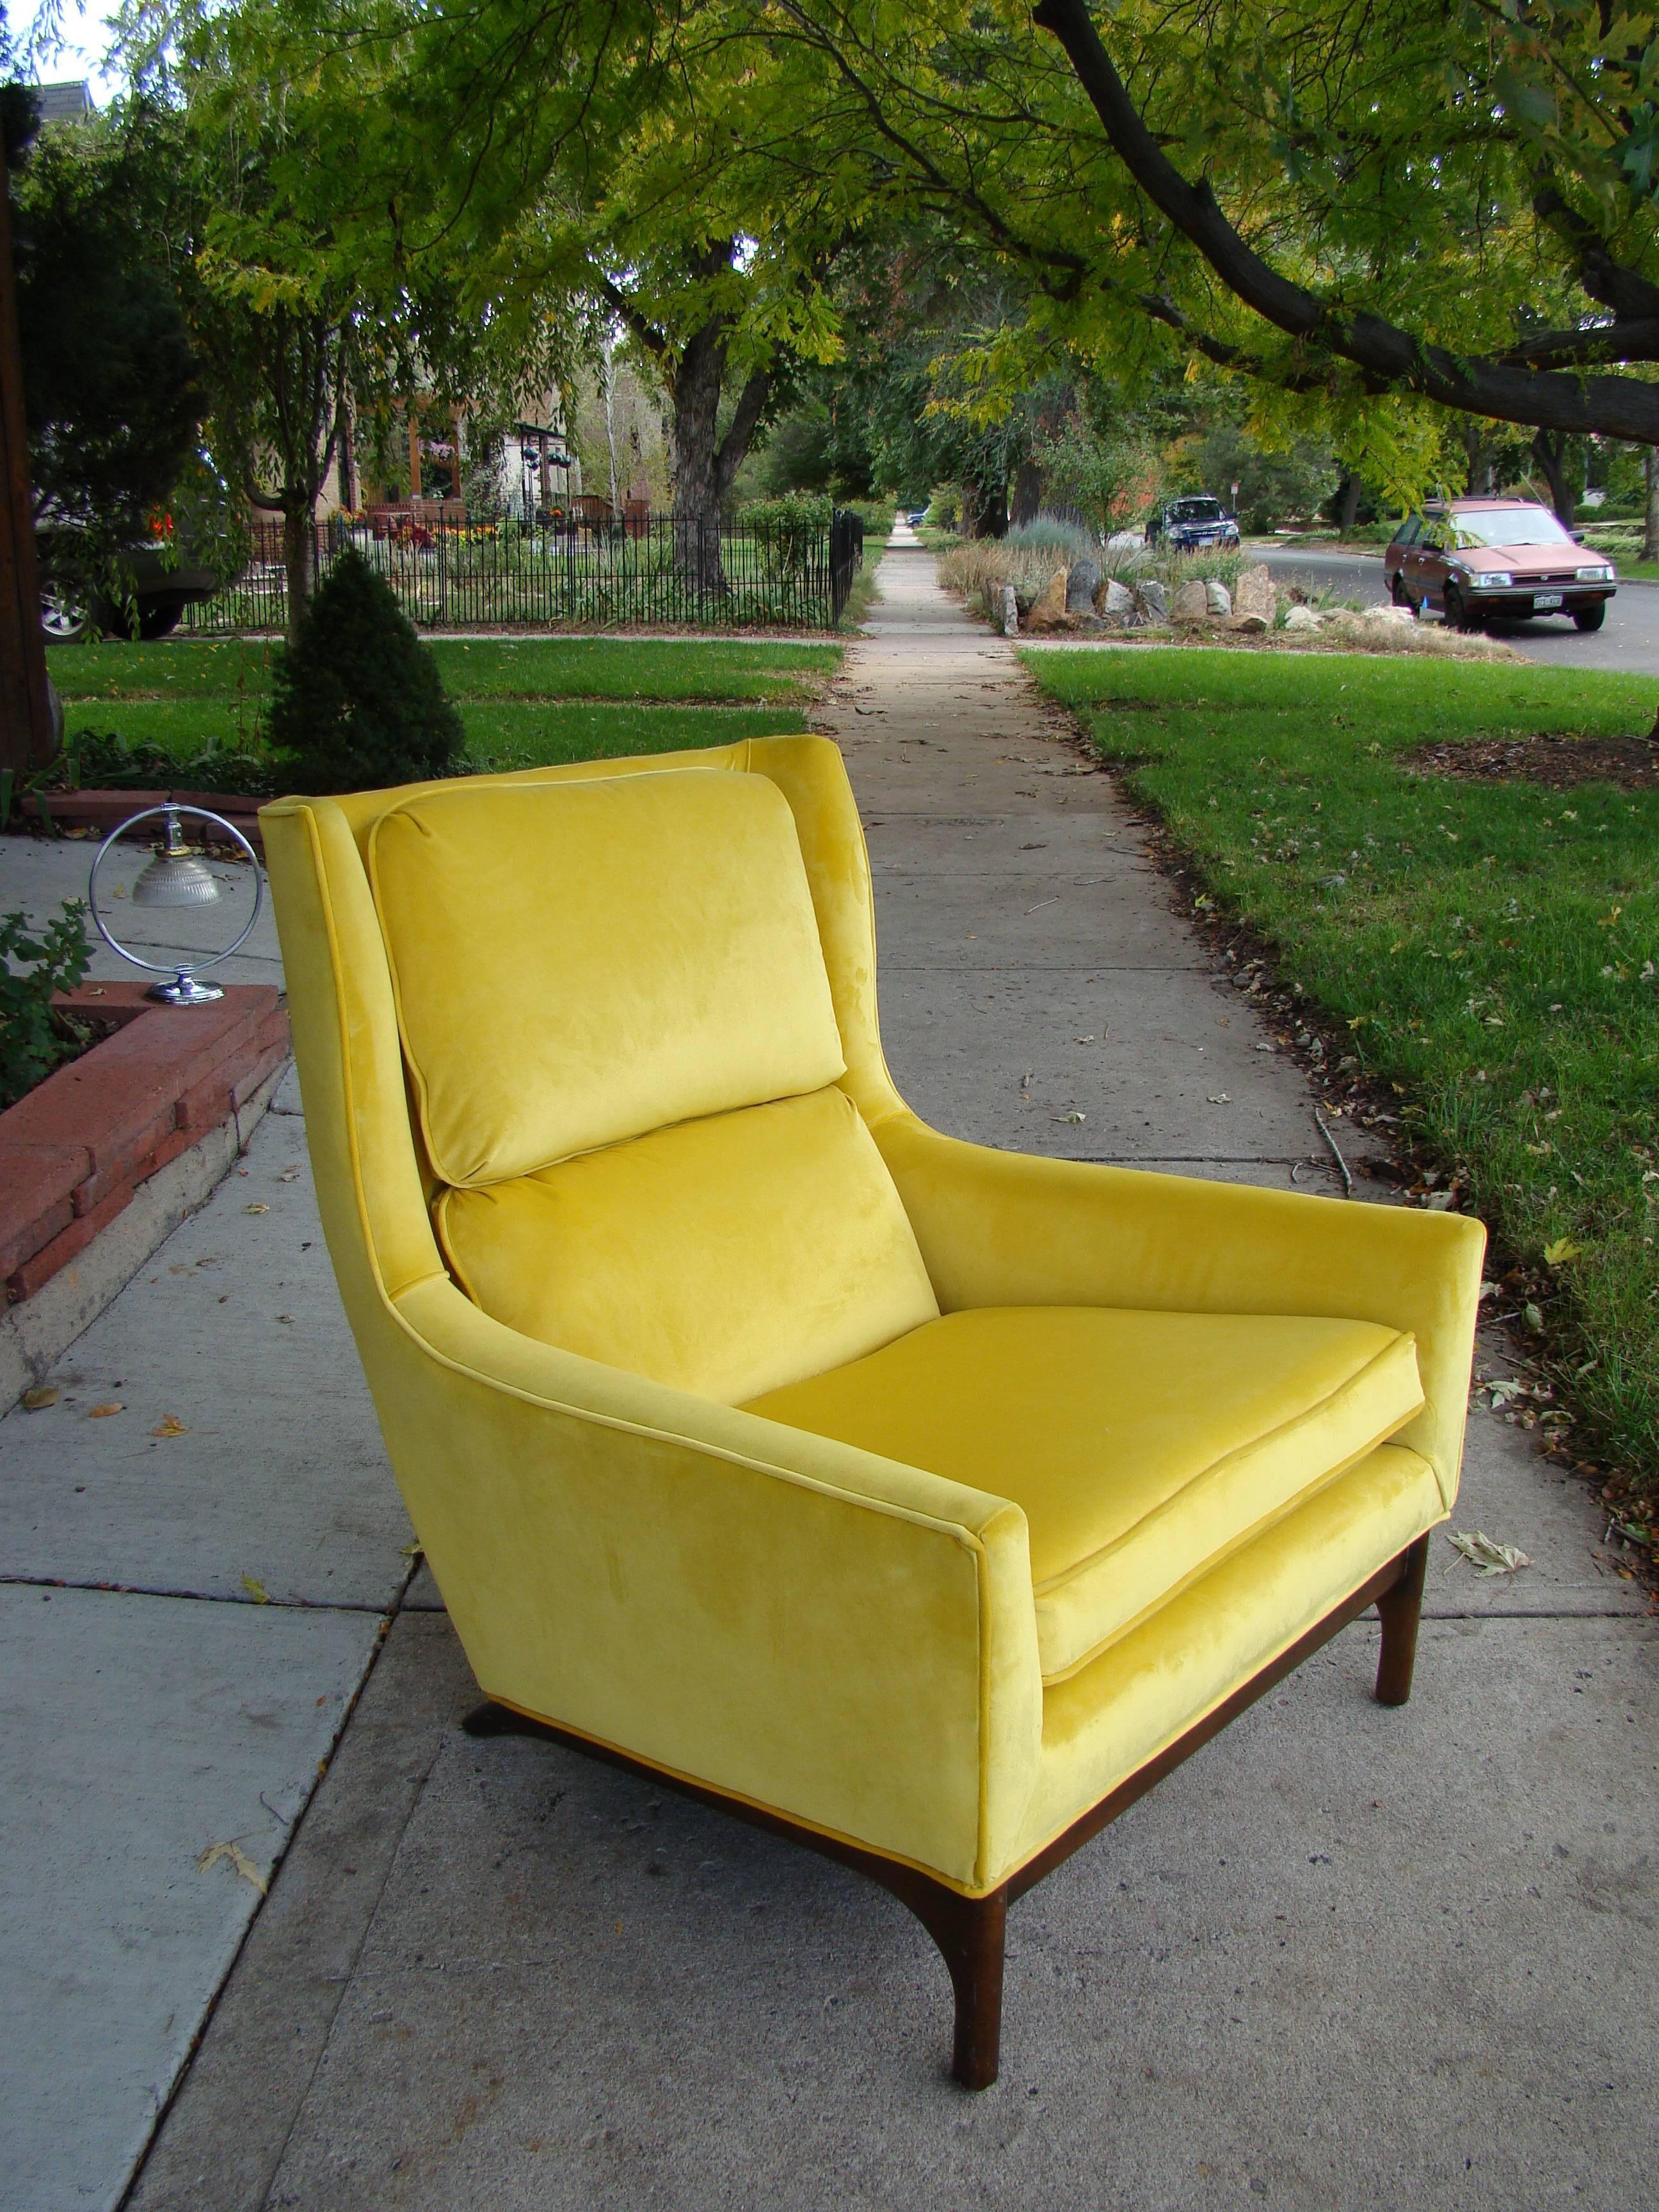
x=175, y=877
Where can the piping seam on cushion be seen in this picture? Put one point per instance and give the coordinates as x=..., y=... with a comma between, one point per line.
x=1269, y=1436
x=1264, y=1526
x=1175, y=1736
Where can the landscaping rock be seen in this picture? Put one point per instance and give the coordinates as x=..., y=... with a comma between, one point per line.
x=1115, y=598
x=1251, y=625
x=1301, y=618
x=1152, y=600
x=1010, y=608
x=1048, y=608
x=1220, y=599
x=1191, y=603
x=1254, y=593
x=1082, y=582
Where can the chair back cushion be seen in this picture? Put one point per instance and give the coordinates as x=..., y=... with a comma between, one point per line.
x=726, y=1256
x=576, y=963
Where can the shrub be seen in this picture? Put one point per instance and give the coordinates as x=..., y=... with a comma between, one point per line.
x=1045, y=535
x=357, y=701
x=103, y=760
x=33, y=1037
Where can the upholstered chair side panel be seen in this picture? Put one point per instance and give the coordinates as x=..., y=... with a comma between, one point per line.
x=812, y=776
x=1003, y=1229
x=827, y=1634
x=350, y=1063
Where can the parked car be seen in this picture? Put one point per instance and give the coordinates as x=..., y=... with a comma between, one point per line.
x=159, y=594
x=916, y=517
x=1471, y=559
x=1193, y=524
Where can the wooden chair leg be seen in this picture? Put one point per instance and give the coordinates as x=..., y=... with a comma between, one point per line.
x=970, y=1932
x=977, y=1978
x=1400, y=1610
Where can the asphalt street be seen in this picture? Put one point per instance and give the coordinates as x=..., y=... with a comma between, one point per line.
x=1628, y=640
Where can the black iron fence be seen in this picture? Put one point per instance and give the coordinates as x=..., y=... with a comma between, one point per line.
x=646, y=570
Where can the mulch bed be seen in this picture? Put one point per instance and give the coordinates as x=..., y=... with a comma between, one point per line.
x=1558, y=762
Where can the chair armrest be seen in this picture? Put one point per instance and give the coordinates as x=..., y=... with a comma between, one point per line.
x=1006, y=1229
x=837, y=1636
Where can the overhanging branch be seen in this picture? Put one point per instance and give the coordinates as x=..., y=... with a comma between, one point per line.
x=1393, y=359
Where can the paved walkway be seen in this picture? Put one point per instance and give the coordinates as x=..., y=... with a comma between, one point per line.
x=1344, y=1957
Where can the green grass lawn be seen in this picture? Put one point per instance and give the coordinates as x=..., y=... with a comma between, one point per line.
x=1492, y=949
x=541, y=701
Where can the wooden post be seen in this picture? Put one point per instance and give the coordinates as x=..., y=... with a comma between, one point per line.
x=25, y=732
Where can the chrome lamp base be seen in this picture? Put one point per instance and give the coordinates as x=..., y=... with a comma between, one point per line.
x=186, y=991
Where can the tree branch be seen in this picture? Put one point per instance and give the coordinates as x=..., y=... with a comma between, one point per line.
x=1393, y=358
x=752, y=401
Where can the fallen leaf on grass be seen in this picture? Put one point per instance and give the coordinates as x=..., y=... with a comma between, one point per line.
x=257, y=1591
x=236, y=1858
x=1486, y=1557
x=1534, y=1319
x=103, y=1413
x=38, y=1399
x=171, y=1426
x=1563, y=1249
x=257, y=1206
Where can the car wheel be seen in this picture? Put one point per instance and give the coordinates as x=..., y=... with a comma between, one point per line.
x=64, y=617
x=1591, y=617
x=1402, y=597
x=157, y=617
x=1457, y=614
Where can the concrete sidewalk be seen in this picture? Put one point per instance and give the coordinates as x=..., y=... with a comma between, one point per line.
x=1344, y=1956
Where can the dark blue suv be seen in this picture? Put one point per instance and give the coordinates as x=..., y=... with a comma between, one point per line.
x=1193, y=524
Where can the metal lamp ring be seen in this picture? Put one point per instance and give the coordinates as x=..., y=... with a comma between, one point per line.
x=180, y=991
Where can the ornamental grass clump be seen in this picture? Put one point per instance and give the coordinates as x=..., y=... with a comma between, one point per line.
x=357, y=701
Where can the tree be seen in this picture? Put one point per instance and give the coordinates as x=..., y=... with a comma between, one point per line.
x=26, y=716
x=624, y=158
x=112, y=385
x=1371, y=210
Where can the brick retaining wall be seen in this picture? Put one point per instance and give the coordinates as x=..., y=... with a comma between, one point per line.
x=74, y=1151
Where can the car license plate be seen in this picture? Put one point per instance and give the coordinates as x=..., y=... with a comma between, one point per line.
x=1542, y=601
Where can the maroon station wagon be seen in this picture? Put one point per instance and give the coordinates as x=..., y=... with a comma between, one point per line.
x=1473, y=558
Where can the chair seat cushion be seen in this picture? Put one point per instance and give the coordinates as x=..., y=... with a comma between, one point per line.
x=1143, y=1447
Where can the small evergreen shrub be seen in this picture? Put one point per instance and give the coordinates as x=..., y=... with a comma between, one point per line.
x=357, y=701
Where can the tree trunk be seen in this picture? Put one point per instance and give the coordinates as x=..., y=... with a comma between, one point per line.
x=1029, y=485
x=1479, y=480
x=1347, y=505
x=609, y=382
x=1549, y=450
x=987, y=499
x=27, y=738
x=1650, y=521
x=695, y=392
x=299, y=559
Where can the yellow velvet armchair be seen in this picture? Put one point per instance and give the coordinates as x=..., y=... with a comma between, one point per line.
x=922, y=1502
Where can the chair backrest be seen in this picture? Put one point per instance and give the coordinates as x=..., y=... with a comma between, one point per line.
x=626, y=1062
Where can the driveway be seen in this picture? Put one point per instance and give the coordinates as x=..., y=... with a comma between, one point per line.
x=1628, y=641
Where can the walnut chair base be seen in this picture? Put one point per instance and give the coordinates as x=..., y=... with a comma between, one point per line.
x=968, y=1930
